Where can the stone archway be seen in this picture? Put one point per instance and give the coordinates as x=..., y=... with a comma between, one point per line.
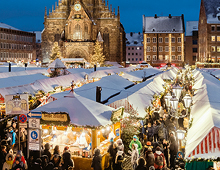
x=78, y=53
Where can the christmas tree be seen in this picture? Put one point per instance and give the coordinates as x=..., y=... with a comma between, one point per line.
x=97, y=57
x=56, y=52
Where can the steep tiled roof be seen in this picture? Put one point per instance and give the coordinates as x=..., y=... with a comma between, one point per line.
x=3, y=25
x=163, y=24
x=134, y=39
x=212, y=9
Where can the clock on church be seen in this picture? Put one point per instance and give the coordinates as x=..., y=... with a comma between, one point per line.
x=77, y=7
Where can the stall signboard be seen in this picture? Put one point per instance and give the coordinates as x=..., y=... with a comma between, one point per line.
x=54, y=117
x=34, y=123
x=16, y=104
x=117, y=114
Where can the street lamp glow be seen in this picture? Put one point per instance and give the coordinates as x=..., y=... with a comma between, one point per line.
x=177, y=91
x=187, y=100
x=174, y=102
x=167, y=99
x=180, y=134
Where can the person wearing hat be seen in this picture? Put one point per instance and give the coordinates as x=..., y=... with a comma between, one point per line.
x=136, y=141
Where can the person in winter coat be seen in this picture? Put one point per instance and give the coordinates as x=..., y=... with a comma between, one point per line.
x=134, y=155
x=12, y=135
x=150, y=132
x=120, y=145
x=159, y=162
x=118, y=160
x=149, y=158
x=165, y=151
x=56, y=160
x=3, y=154
x=18, y=164
x=49, y=166
x=67, y=161
x=47, y=151
x=45, y=161
x=56, y=150
x=173, y=151
x=9, y=162
x=20, y=155
x=115, y=150
x=136, y=141
x=37, y=164
x=141, y=164
x=97, y=160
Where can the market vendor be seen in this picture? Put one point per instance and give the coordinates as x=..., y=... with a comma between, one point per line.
x=136, y=141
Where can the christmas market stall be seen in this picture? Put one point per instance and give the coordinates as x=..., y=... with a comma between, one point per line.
x=81, y=124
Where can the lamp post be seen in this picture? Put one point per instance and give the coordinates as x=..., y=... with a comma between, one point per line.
x=187, y=101
x=167, y=99
x=180, y=136
x=177, y=90
x=173, y=105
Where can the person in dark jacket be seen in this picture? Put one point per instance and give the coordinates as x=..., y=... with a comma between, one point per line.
x=141, y=164
x=110, y=151
x=56, y=150
x=97, y=160
x=173, y=151
x=49, y=166
x=18, y=164
x=118, y=160
x=47, y=151
x=37, y=164
x=67, y=162
x=150, y=132
x=165, y=151
x=150, y=158
x=45, y=161
x=56, y=160
x=3, y=154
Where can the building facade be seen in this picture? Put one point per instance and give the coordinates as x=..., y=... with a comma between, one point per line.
x=164, y=40
x=191, y=43
x=209, y=34
x=38, y=46
x=16, y=45
x=75, y=25
x=134, y=48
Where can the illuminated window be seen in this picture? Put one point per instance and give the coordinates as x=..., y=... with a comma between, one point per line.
x=166, y=40
x=213, y=38
x=166, y=57
x=213, y=58
x=160, y=57
x=179, y=40
x=160, y=49
x=154, y=39
x=179, y=49
x=160, y=40
x=212, y=48
x=218, y=38
x=173, y=39
x=154, y=57
x=148, y=58
x=218, y=48
x=179, y=57
x=77, y=32
x=154, y=48
x=148, y=40
x=148, y=48
x=173, y=48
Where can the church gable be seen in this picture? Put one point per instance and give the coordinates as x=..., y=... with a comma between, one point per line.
x=79, y=24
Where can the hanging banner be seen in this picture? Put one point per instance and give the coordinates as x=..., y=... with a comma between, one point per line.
x=16, y=104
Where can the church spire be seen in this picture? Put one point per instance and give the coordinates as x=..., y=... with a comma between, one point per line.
x=45, y=13
x=107, y=5
x=118, y=15
x=111, y=7
x=55, y=5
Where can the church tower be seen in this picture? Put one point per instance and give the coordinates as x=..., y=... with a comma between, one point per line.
x=76, y=24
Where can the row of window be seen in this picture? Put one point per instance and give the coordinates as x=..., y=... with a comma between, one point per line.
x=136, y=48
x=216, y=59
x=164, y=57
x=15, y=37
x=134, y=53
x=166, y=40
x=11, y=56
x=136, y=59
x=214, y=28
x=16, y=46
x=215, y=49
x=160, y=49
x=215, y=38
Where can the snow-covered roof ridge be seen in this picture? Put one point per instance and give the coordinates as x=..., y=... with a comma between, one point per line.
x=168, y=24
x=134, y=39
x=212, y=9
x=3, y=25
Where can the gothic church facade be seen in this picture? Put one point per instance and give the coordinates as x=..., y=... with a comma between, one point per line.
x=76, y=24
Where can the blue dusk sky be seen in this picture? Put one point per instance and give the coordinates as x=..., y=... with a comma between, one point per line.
x=28, y=15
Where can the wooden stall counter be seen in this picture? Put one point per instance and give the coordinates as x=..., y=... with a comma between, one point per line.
x=85, y=163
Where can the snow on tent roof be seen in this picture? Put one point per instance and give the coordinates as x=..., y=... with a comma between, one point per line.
x=110, y=85
x=57, y=64
x=139, y=74
x=163, y=24
x=216, y=73
x=169, y=74
x=4, y=69
x=140, y=95
x=82, y=111
x=23, y=73
x=205, y=113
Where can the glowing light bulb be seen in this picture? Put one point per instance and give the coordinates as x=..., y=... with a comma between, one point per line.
x=45, y=130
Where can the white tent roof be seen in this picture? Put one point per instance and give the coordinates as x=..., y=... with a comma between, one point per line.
x=57, y=64
x=139, y=74
x=22, y=73
x=205, y=113
x=81, y=111
x=140, y=95
x=169, y=74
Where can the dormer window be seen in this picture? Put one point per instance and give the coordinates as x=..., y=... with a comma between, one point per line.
x=135, y=42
